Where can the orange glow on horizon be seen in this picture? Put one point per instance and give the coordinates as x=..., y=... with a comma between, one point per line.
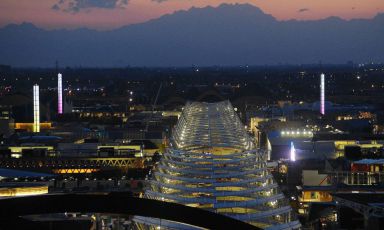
x=138, y=11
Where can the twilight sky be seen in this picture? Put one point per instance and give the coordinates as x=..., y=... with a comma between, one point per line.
x=109, y=14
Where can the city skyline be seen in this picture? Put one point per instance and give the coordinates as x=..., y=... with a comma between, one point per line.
x=192, y=114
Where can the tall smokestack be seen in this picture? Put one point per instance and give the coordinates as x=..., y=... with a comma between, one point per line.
x=36, y=109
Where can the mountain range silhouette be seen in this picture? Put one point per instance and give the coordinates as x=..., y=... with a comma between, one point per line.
x=227, y=35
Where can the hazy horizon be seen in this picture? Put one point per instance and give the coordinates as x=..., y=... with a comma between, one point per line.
x=112, y=14
x=181, y=11
x=227, y=35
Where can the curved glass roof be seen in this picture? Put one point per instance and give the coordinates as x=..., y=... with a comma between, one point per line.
x=213, y=164
x=204, y=125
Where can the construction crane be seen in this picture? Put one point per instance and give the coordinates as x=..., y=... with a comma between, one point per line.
x=153, y=107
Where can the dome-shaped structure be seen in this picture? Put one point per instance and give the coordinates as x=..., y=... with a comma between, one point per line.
x=213, y=165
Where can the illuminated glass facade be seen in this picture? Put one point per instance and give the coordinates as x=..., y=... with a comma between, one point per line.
x=213, y=164
x=292, y=152
x=36, y=109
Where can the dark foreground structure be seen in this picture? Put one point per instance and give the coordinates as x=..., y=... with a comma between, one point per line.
x=360, y=210
x=12, y=209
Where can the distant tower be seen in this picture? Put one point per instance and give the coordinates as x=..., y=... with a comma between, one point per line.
x=36, y=109
x=292, y=152
x=322, y=94
x=59, y=93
